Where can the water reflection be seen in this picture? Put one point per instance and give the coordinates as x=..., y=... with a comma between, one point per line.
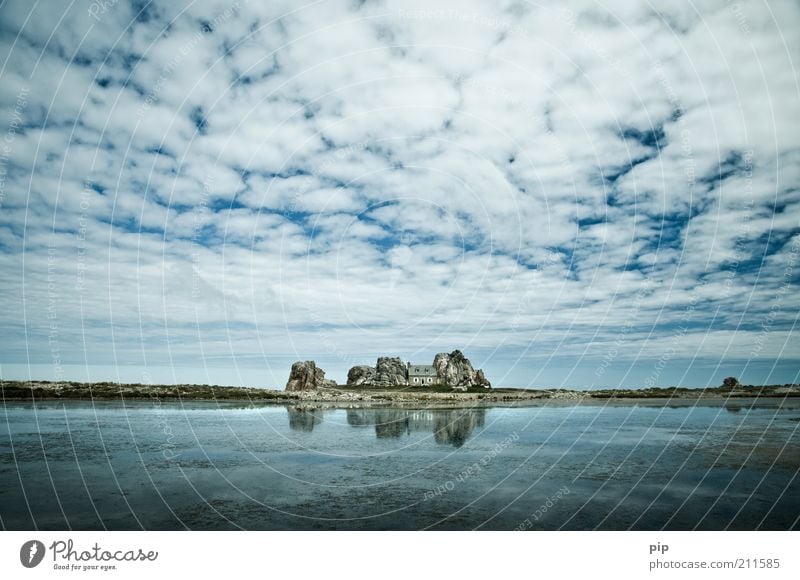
x=304, y=419
x=454, y=427
x=449, y=426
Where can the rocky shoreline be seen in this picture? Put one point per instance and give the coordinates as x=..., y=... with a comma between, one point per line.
x=44, y=390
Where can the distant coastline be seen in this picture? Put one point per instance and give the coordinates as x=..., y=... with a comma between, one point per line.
x=109, y=391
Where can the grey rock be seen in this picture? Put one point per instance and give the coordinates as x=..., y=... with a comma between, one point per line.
x=390, y=372
x=481, y=380
x=307, y=376
x=360, y=375
x=452, y=369
x=455, y=370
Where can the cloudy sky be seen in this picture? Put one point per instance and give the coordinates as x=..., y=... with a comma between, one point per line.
x=594, y=196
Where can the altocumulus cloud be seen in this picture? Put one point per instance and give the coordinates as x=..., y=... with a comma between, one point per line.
x=599, y=195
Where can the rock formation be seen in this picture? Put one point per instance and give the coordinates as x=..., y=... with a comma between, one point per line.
x=390, y=372
x=481, y=380
x=307, y=376
x=455, y=370
x=360, y=375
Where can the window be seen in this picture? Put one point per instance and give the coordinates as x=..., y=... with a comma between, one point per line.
x=416, y=380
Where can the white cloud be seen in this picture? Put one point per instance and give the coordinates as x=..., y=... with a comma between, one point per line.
x=335, y=180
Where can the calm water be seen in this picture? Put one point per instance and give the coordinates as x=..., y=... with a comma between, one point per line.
x=206, y=466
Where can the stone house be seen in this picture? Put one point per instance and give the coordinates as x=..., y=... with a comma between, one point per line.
x=419, y=375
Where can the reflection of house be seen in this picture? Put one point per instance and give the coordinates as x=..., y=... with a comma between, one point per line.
x=449, y=426
x=422, y=375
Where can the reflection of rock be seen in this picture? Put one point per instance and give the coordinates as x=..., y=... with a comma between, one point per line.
x=391, y=424
x=303, y=419
x=360, y=417
x=360, y=375
x=307, y=376
x=455, y=426
x=390, y=372
x=449, y=426
x=455, y=370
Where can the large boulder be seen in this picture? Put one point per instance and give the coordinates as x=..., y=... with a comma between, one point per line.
x=307, y=376
x=360, y=375
x=390, y=372
x=481, y=380
x=455, y=370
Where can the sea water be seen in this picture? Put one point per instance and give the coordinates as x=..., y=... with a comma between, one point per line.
x=206, y=466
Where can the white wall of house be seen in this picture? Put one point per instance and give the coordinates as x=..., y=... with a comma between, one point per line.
x=423, y=380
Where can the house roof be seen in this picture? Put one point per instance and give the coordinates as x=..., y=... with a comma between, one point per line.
x=421, y=370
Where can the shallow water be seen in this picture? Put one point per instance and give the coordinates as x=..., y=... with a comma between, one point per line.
x=77, y=465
